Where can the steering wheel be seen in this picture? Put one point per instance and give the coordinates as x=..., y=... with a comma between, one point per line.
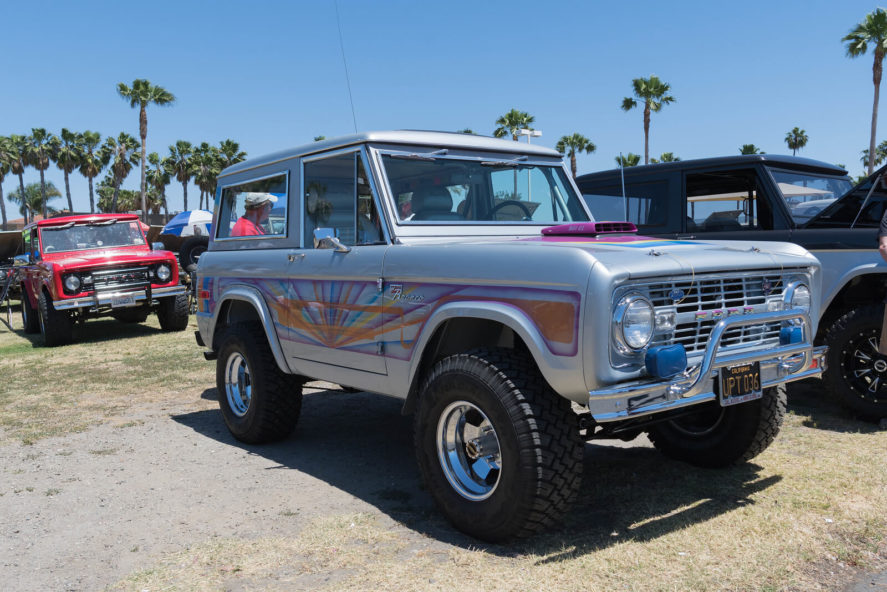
x=511, y=202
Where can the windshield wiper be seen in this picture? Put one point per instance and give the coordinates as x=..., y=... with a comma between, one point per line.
x=103, y=223
x=62, y=227
x=514, y=162
x=417, y=156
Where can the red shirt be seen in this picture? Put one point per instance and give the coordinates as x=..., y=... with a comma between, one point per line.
x=246, y=227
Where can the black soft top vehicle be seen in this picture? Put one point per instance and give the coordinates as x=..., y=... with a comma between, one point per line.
x=782, y=198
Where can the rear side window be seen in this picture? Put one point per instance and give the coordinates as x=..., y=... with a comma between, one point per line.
x=254, y=209
x=721, y=201
x=645, y=204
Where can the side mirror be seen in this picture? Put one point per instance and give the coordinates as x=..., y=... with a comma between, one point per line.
x=325, y=238
x=158, y=246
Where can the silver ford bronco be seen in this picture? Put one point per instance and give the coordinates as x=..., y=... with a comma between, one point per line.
x=466, y=276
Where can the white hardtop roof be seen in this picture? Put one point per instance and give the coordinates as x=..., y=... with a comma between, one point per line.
x=453, y=140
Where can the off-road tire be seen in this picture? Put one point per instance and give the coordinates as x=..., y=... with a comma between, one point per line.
x=172, y=312
x=275, y=397
x=29, y=315
x=191, y=250
x=56, y=326
x=538, y=436
x=131, y=315
x=853, y=377
x=718, y=436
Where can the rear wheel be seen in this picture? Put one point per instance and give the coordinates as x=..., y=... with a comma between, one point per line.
x=857, y=374
x=498, y=449
x=56, y=326
x=716, y=436
x=29, y=315
x=131, y=315
x=172, y=312
x=259, y=402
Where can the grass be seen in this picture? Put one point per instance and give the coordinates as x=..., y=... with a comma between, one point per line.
x=807, y=514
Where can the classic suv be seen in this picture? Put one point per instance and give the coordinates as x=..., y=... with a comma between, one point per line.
x=783, y=198
x=465, y=276
x=97, y=265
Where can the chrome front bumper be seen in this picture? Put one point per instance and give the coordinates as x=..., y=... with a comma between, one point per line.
x=105, y=298
x=784, y=363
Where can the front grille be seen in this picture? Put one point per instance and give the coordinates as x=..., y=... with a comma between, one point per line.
x=707, y=299
x=125, y=278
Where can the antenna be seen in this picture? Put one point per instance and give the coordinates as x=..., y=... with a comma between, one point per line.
x=345, y=63
x=622, y=175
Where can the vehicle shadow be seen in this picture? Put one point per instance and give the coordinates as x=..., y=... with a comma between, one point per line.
x=809, y=399
x=361, y=444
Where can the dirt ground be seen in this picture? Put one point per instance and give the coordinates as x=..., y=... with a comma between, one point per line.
x=83, y=511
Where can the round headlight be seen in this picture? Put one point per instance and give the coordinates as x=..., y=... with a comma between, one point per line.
x=801, y=297
x=163, y=273
x=637, y=323
x=72, y=283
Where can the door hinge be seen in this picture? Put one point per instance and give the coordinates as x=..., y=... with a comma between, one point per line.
x=380, y=348
x=380, y=284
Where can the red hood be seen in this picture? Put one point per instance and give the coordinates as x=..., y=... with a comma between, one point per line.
x=102, y=257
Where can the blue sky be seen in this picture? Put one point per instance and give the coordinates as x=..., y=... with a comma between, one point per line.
x=270, y=75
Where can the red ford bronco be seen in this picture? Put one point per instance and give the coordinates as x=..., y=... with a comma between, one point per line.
x=93, y=265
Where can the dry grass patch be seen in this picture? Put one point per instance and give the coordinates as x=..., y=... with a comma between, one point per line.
x=110, y=369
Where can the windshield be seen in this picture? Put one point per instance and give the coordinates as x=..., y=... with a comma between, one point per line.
x=99, y=235
x=450, y=190
x=806, y=194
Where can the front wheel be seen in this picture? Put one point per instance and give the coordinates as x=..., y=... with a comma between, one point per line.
x=857, y=375
x=259, y=402
x=716, y=436
x=173, y=313
x=497, y=448
x=56, y=326
x=29, y=315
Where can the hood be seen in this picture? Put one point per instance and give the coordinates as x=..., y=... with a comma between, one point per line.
x=114, y=256
x=642, y=256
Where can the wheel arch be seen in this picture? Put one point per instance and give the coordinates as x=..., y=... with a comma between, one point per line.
x=862, y=288
x=459, y=327
x=245, y=304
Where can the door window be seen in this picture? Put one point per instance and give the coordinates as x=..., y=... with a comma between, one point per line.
x=726, y=201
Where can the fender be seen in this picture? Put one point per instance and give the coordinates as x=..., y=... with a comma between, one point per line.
x=250, y=295
x=555, y=368
x=854, y=263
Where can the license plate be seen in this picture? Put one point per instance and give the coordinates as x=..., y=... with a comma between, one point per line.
x=740, y=383
x=119, y=301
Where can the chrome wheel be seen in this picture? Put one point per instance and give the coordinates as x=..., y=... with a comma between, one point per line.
x=468, y=450
x=238, y=384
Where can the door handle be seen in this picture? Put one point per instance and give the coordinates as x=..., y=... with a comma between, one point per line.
x=293, y=256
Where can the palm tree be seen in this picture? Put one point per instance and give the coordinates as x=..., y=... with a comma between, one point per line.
x=629, y=160
x=39, y=153
x=17, y=164
x=666, y=157
x=230, y=153
x=159, y=177
x=206, y=164
x=143, y=93
x=93, y=160
x=796, y=139
x=880, y=154
x=36, y=196
x=68, y=156
x=654, y=93
x=7, y=154
x=511, y=122
x=750, y=149
x=179, y=162
x=571, y=145
x=123, y=157
x=873, y=29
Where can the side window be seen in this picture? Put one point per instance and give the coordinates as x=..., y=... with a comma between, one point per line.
x=645, y=204
x=254, y=208
x=34, y=244
x=338, y=196
x=726, y=200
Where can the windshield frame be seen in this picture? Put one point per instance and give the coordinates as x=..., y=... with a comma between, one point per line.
x=554, y=166
x=48, y=231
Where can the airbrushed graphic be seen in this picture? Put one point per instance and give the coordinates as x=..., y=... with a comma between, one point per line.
x=355, y=316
